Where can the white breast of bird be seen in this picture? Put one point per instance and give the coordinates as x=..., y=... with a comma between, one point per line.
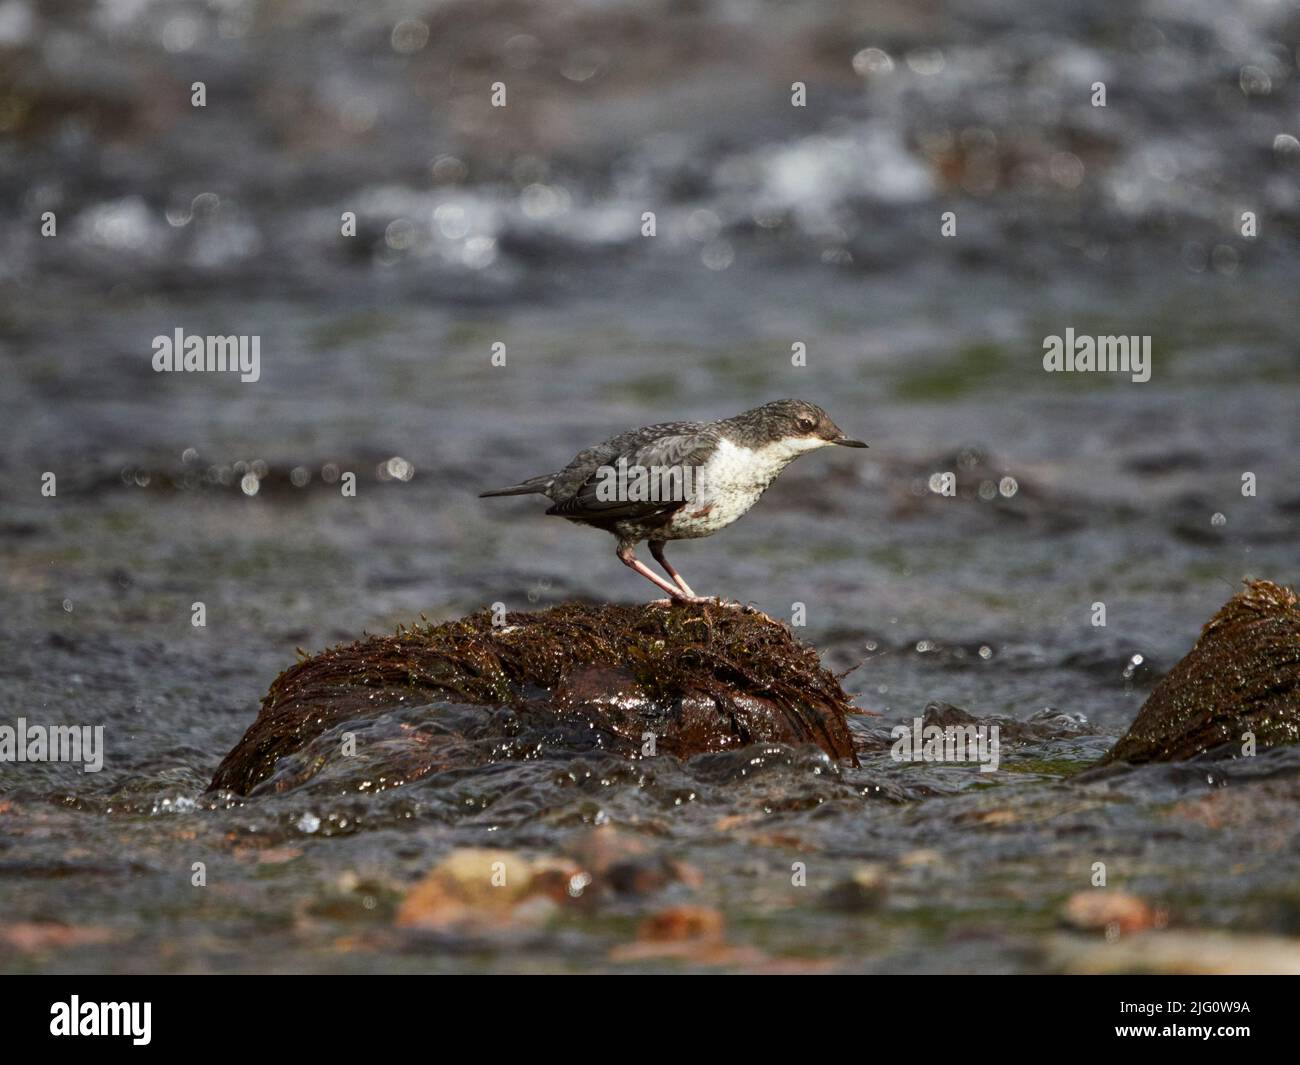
x=731, y=481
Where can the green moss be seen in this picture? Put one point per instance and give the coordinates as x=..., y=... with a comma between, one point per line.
x=348, y=329
x=1048, y=767
x=969, y=370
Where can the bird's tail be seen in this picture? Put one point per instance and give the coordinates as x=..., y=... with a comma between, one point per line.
x=534, y=485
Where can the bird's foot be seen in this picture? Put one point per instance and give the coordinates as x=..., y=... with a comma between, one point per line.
x=713, y=600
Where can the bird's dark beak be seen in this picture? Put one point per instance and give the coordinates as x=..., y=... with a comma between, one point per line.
x=844, y=441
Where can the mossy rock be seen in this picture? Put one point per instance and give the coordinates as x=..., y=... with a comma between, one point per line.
x=1242, y=676
x=699, y=678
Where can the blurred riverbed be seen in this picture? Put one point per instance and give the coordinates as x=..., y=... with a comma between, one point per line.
x=522, y=225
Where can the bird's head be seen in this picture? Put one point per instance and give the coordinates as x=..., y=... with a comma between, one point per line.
x=799, y=425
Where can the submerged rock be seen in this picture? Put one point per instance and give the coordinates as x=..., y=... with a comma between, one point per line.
x=1242, y=677
x=632, y=680
x=865, y=889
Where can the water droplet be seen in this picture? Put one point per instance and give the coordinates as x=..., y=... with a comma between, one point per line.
x=451, y=221
x=480, y=252
x=400, y=234
x=447, y=170
x=180, y=34
x=584, y=64
x=1254, y=81
x=872, y=61
x=409, y=35
x=925, y=61
x=703, y=225
x=718, y=255
x=1285, y=144
x=539, y=201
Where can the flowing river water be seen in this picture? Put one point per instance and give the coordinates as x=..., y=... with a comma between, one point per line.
x=775, y=226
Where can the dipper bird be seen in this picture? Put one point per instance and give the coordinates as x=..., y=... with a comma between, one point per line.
x=681, y=480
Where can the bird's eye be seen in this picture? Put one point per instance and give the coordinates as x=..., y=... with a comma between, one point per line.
x=807, y=424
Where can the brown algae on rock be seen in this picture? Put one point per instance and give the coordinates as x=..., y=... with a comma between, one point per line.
x=683, y=681
x=1241, y=677
x=695, y=679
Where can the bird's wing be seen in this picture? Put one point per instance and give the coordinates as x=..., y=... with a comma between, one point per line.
x=610, y=491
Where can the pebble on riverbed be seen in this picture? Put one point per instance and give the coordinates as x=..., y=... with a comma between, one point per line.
x=482, y=888
x=1183, y=953
x=1239, y=684
x=1114, y=912
x=686, y=680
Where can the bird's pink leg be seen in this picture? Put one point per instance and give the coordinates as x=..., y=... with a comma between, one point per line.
x=657, y=549
x=627, y=556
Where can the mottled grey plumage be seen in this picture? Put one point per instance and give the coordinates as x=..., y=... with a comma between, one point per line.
x=732, y=460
